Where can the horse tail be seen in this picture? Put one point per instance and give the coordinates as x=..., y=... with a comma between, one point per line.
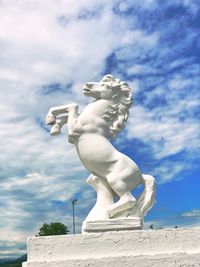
x=147, y=198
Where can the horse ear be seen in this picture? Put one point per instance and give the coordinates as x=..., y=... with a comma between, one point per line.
x=107, y=78
x=125, y=87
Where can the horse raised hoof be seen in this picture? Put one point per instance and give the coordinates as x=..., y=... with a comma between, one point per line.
x=124, y=204
x=55, y=130
x=50, y=119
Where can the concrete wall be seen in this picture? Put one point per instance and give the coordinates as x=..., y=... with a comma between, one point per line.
x=160, y=248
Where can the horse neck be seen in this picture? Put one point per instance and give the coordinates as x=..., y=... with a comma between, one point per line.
x=108, y=110
x=101, y=105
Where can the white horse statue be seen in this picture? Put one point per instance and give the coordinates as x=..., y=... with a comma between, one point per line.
x=113, y=174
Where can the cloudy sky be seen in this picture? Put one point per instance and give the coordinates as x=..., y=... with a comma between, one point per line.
x=48, y=49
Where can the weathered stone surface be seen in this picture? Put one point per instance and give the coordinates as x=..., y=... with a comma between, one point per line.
x=155, y=248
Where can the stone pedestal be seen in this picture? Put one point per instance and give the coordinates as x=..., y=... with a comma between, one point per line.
x=119, y=224
x=145, y=248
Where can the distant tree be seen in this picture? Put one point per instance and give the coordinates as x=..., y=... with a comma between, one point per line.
x=54, y=228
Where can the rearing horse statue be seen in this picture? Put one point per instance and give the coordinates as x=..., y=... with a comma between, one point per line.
x=113, y=174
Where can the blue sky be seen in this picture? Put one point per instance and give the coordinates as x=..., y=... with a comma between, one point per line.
x=48, y=50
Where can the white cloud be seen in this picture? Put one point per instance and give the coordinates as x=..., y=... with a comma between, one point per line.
x=159, y=126
x=136, y=36
x=166, y=134
x=42, y=50
x=178, y=83
x=192, y=213
x=192, y=5
x=146, y=4
x=141, y=69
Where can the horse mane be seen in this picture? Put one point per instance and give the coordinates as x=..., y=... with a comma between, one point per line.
x=118, y=112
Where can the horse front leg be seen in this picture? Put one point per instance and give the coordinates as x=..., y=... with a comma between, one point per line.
x=70, y=117
x=55, y=111
x=58, y=124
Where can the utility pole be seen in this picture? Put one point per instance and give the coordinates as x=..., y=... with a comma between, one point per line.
x=73, y=215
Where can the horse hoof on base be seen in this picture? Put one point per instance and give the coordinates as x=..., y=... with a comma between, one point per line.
x=55, y=130
x=50, y=119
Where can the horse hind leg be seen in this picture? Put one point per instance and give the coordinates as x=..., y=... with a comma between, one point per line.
x=126, y=199
x=105, y=197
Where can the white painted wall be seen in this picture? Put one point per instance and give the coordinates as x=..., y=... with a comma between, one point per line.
x=166, y=247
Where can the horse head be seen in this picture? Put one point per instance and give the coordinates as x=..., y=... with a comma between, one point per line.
x=104, y=89
x=120, y=96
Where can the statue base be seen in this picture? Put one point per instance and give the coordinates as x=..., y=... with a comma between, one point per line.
x=141, y=248
x=119, y=224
